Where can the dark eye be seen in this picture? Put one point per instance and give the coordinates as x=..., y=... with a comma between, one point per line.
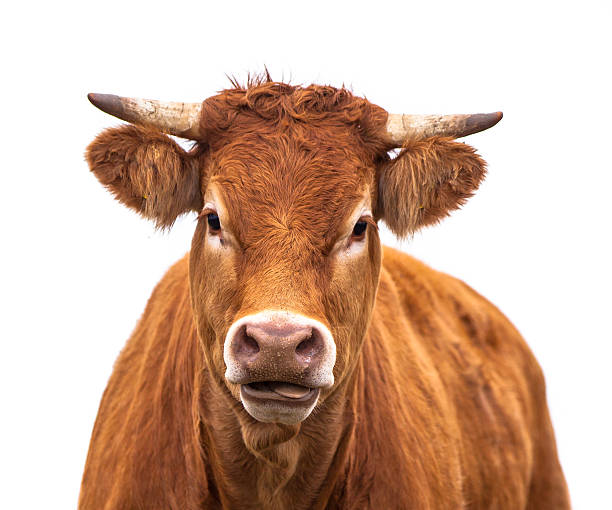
x=213, y=222
x=359, y=228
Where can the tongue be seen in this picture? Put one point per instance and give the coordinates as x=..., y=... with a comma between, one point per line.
x=289, y=390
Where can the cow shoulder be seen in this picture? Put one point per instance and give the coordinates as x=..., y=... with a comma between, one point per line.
x=490, y=378
x=436, y=302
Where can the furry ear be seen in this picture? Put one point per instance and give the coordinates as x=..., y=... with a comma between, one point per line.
x=147, y=171
x=426, y=181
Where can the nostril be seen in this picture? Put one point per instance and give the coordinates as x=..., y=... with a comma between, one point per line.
x=310, y=347
x=246, y=346
x=250, y=345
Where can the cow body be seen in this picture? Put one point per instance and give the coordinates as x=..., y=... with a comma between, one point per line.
x=445, y=409
x=289, y=361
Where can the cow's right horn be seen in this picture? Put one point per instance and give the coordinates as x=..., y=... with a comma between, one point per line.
x=179, y=119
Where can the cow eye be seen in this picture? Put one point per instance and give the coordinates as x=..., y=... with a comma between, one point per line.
x=359, y=229
x=213, y=222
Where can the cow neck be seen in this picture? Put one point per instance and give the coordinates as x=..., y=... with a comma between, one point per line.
x=276, y=466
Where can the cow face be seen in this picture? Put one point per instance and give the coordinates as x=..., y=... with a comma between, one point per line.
x=289, y=184
x=284, y=268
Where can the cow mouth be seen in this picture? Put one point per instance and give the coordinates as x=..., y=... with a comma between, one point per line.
x=278, y=402
x=279, y=391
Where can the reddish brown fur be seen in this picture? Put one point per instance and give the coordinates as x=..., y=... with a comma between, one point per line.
x=428, y=180
x=438, y=402
x=148, y=172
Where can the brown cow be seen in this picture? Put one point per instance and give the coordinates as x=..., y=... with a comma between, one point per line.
x=289, y=361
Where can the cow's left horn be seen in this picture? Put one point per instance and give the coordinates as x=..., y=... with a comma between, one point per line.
x=400, y=128
x=179, y=119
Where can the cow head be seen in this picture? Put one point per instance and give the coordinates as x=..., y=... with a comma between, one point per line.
x=289, y=184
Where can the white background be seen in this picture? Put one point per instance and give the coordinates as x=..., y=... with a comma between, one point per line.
x=77, y=268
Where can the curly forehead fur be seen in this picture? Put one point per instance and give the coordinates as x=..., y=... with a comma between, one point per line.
x=290, y=158
x=316, y=113
x=283, y=186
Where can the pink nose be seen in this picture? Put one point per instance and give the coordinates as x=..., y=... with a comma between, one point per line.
x=293, y=343
x=272, y=350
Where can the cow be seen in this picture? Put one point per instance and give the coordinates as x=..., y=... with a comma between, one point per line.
x=289, y=360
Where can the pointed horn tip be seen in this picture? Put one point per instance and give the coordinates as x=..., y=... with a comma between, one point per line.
x=498, y=116
x=494, y=118
x=108, y=103
x=92, y=97
x=479, y=122
x=484, y=121
x=488, y=118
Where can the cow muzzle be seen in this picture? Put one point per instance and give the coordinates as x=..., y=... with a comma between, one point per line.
x=281, y=360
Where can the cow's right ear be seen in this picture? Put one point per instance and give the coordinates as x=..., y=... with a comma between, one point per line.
x=147, y=171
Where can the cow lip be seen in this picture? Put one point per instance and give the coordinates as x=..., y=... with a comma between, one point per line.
x=265, y=390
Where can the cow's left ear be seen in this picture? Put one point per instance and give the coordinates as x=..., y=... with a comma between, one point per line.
x=147, y=171
x=425, y=182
